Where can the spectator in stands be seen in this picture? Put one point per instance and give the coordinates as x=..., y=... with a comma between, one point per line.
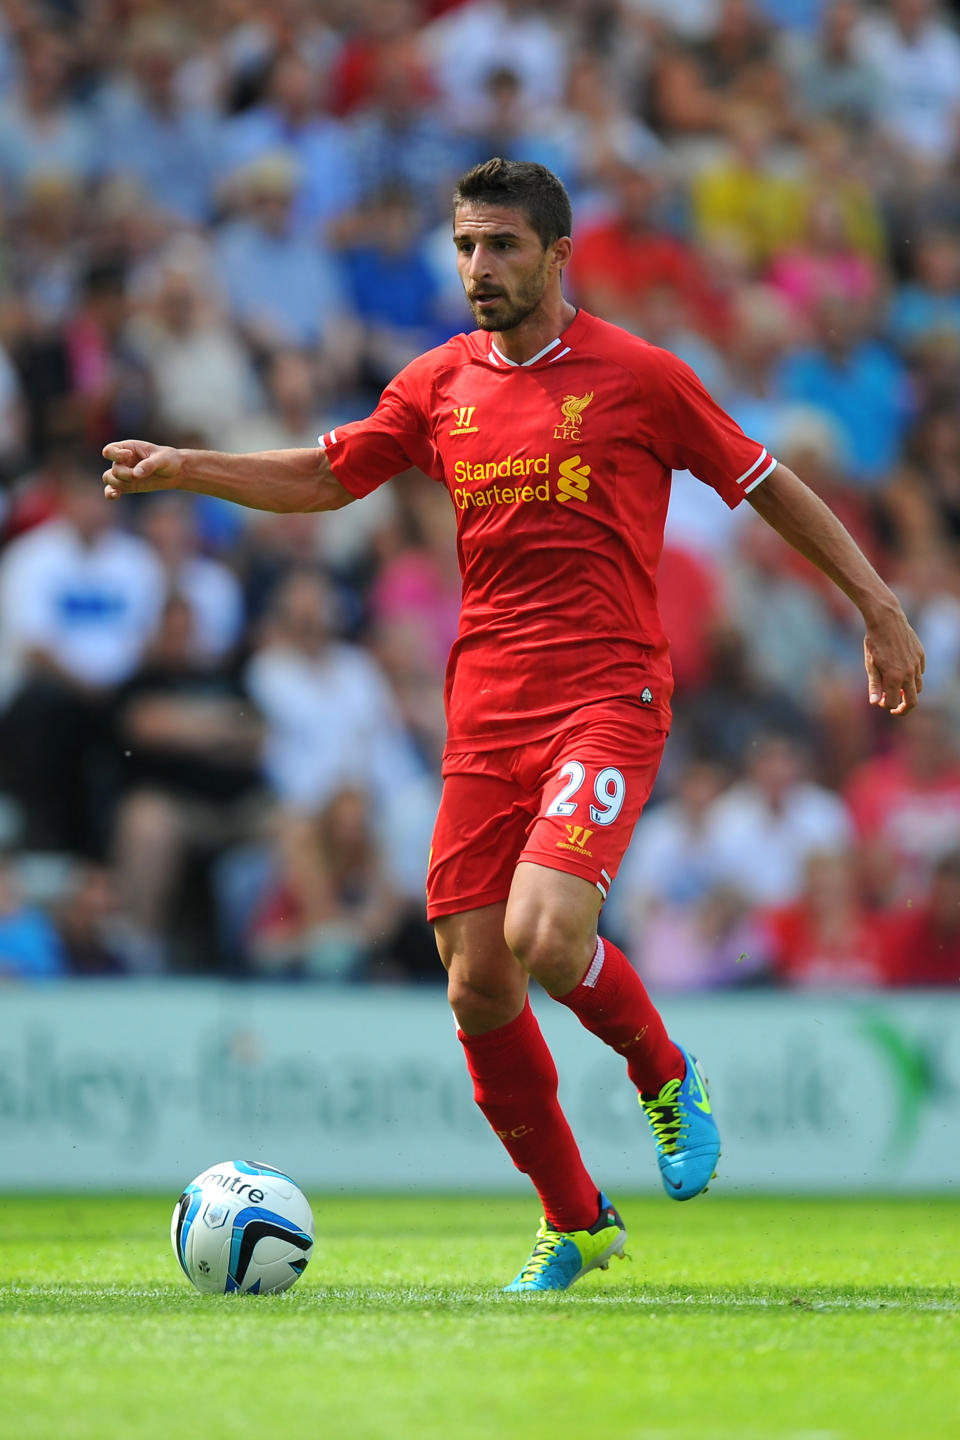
x=147, y=131
x=209, y=587
x=398, y=138
x=825, y=263
x=923, y=942
x=906, y=807
x=79, y=600
x=671, y=859
x=297, y=392
x=723, y=719
x=916, y=59
x=856, y=379
x=330, y=911
x=922, y=504
x=89, y=923
x=201, y=377
x=392, y=289
x=746, y=197
x=619, y=259
x=109, y=384
x=764, y=827
x=929, y=302
x=831, y=79
x=330, y=719
x=598, y=127
x=190, y=782
x=466, y=45
x=381, y=33
x=729, y=62
x=13, y=429
x=509, y=129
x=827, y=937
x=45, y=259
x=784, y=616
x=926, y=579
x=761, y=331
x=291, y=119
x=30, y=948
x=419, y=585
x=42, y=130
x=282, y=288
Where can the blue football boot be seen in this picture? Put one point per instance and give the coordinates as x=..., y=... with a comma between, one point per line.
x=560, y=1257
x=688, y=1142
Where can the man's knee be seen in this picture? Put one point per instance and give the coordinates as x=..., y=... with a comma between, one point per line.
x=486, y=987
x=480, y=1008
x=553, y=943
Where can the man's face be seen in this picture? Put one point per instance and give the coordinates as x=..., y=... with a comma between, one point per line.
x=503, y=264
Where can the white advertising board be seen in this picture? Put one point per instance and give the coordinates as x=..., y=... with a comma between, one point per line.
x=143, y=1084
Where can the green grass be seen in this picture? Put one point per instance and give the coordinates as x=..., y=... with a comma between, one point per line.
x=740, y=1318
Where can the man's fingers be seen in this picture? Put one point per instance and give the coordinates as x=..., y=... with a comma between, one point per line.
x=145, y=467
x=894, y=662
x=122, y=452
x=907, y=699
x=874, y=680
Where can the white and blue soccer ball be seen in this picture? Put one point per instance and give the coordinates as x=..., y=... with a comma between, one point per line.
x=242, y=1227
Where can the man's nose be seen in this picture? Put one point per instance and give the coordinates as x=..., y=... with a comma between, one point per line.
x=479, y=265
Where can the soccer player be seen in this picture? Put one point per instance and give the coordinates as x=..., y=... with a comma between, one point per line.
x=555, y=434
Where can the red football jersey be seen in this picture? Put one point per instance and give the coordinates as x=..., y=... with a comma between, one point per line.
x=559, y=470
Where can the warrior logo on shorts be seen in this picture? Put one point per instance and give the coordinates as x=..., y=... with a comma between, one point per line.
x=572, y=408
x=577, y=838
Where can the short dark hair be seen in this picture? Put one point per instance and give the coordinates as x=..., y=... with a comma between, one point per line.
x=523, y=185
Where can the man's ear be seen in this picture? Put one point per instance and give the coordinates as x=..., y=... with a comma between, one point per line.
x=562, y=251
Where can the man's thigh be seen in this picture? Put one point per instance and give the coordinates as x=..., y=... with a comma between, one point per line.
x=480, y=831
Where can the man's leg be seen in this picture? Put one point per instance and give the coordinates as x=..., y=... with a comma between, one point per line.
x=551, y=926
x=514, y=1077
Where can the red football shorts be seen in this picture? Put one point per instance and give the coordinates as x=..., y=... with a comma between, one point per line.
x=569, y=802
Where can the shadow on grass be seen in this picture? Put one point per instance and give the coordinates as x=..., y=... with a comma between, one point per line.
x=167, y=1299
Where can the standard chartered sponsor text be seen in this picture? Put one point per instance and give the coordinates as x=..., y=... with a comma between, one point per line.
x=518, y=467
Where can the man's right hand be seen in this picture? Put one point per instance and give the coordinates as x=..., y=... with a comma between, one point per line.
x=138, y=465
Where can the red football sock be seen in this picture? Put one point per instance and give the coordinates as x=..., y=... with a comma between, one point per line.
x=515, y=1085
x=612, y=1002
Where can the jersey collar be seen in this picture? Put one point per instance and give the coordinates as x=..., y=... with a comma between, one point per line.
x=554, y=351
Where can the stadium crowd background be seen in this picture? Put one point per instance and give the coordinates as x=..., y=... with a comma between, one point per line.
x=228, y=225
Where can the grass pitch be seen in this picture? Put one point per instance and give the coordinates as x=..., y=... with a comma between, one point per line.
x=739, y=1318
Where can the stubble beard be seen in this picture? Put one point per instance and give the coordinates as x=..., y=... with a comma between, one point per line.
x=508, y=314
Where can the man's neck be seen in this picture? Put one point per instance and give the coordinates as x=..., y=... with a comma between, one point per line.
x=535, y=332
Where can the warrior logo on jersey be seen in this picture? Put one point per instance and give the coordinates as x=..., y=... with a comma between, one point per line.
x=572, y=409
x=462, y=418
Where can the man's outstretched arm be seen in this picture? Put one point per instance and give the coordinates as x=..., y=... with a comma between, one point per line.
x=892, y=652
x=282, y=481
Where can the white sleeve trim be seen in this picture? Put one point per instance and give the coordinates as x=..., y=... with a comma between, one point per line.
x=762, y=476
x=747, y=473
x=329, y=437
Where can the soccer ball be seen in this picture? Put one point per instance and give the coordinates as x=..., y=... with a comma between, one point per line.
x=241, y=1226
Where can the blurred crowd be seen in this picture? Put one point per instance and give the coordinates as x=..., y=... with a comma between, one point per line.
x=228, y=226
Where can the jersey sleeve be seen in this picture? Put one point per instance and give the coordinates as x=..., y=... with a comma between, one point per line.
x=363, y=454
x=690, y=431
